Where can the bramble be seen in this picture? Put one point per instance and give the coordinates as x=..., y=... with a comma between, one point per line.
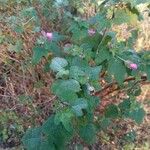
x=91, y=55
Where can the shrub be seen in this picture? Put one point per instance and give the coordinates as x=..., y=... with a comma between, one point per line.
x=98, y=48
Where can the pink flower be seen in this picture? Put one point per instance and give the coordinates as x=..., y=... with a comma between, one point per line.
x=48, y=35
x=91, y=32
x=133, y=66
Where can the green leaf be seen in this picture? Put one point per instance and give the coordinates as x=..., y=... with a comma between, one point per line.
x=125, y=108
x=33, y=140
x=91, y=42
x=56, y=134
x=64, y=116
x=49, y=128
x=58, y=64
x=137, y=115
x=117, y=68
x=54, y=48
x=76, y=34
x=93, y=72
x=88, y=133
x=66, y=89
x=62, y=138
x=62, y=74
x=103, y=55
x=101, y=21
x=136, y=2
x=45, y=145
x=79, y=105
x=66, y=95
x=93, y=102
x=125, y=105
x=70, y=85
x=105, y=122
x=76, y=61
x=111, y=111
x=147, y=69
x=38, y=53
x=57, y=37
x=77, y=74
x=125, y=16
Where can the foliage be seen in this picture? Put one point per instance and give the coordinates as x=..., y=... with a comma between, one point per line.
x=8, y=127
x=78, y=65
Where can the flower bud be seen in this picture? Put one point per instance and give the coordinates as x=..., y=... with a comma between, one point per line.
x=91, y=32
x=48, y=35
x=131, y=65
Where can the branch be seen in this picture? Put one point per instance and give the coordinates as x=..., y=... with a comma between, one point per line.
x=99, y=93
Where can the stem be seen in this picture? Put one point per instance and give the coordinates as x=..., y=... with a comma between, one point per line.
x=99, y=93
x=28, y=21
x=101, y=40
x=121, y=58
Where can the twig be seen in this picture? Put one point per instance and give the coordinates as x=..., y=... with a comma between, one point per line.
x=28, y=21
x=98, y=93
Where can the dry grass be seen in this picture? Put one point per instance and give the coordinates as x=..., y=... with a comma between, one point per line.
x=143, y=41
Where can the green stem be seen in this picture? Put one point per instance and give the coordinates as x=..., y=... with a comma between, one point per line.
x=101, y=41
x=121, y=58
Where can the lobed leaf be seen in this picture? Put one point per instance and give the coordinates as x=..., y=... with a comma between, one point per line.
x=58, y=64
